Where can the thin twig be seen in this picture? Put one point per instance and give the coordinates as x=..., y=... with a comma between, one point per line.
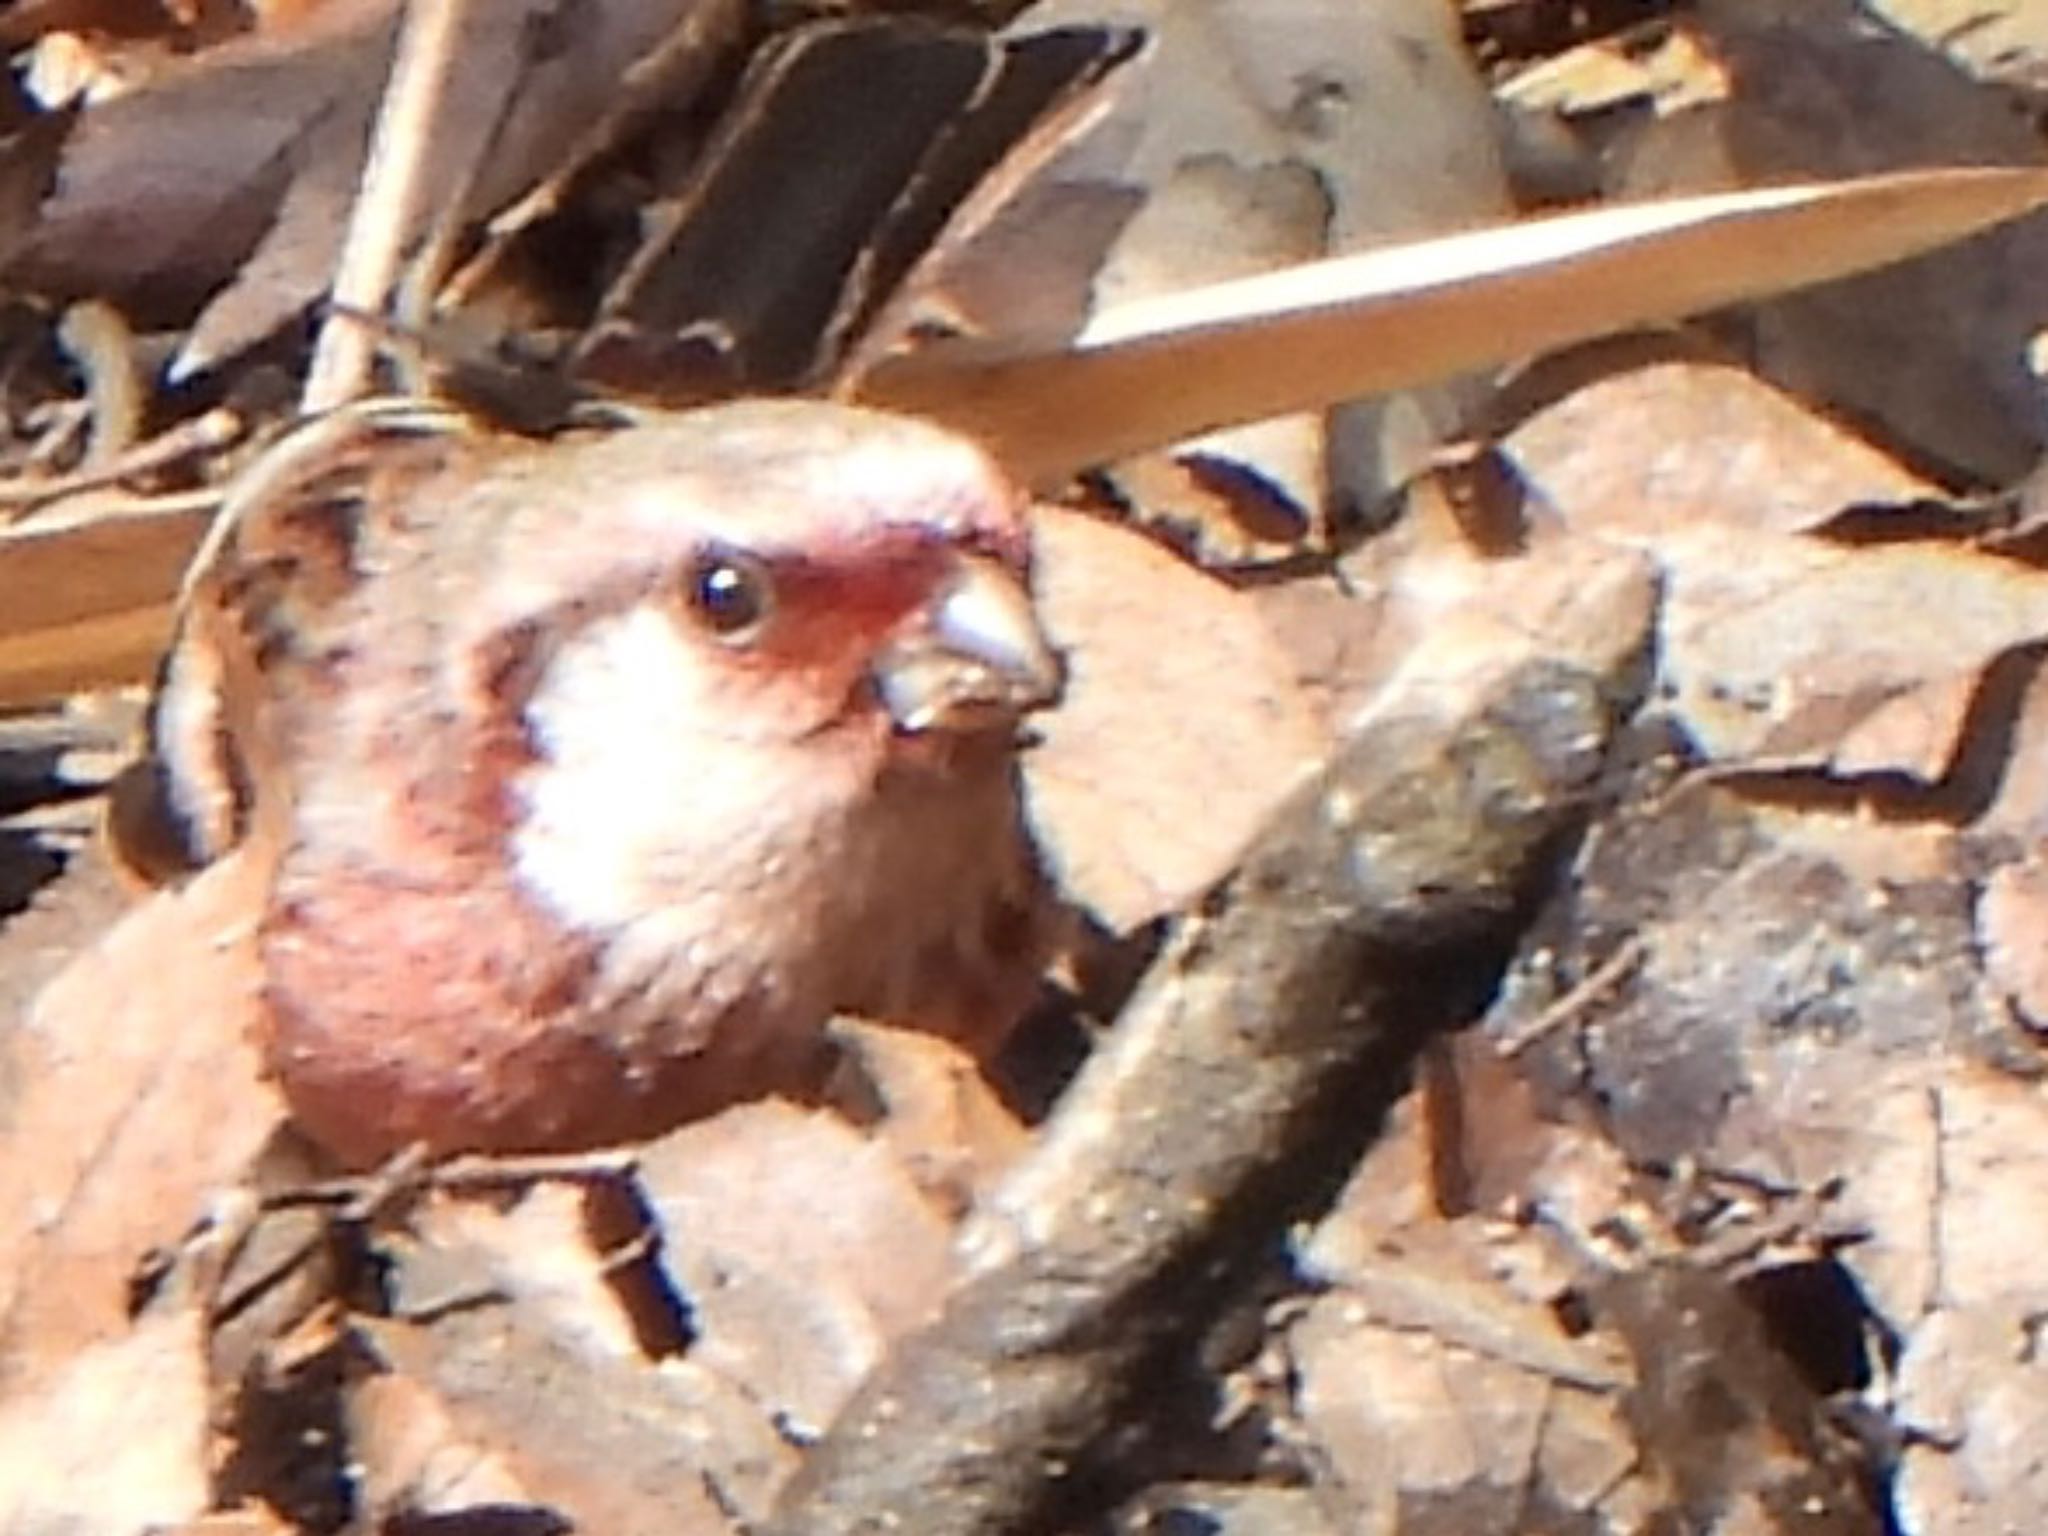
x=96, y=337
x=1591, y=988
x=393, y=192
x=206, y=433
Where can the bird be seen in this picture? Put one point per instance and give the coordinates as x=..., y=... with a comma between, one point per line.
x=592, y=776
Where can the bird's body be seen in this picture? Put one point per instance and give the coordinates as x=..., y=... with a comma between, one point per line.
x=597, y=774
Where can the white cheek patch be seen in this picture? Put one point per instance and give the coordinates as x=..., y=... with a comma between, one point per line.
x=645, y=802
x=613, y=720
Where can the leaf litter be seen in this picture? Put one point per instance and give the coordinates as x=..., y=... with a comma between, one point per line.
x=1779, y=1158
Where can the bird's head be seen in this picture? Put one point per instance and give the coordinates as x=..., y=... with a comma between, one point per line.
x=729, y=635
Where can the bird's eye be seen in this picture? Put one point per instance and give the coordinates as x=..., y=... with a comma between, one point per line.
x=731, y=593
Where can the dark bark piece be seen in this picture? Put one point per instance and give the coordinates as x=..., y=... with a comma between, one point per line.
x=29, y=157
x=829, y=125
x=1258, y=1056
x=249, y=153
x=163, y=192
x=847, y=148
x=1039, y=95
x=1725, y=1414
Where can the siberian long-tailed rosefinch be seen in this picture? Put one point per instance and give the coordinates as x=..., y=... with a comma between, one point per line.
x=596, y=774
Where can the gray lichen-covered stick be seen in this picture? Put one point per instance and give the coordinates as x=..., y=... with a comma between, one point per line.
x=1266, y=1043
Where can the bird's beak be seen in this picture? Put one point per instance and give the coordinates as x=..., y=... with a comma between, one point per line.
x=975, y=660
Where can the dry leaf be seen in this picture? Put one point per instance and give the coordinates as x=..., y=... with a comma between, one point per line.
x=1671, y=75
x=1932, y=353
x=1657, y=449
x=1782, y=648
x=517, y=1382
x=536, y=1251
x=1788, y=651
x=114, y=1439
x=66, y=915
x=1998, y=40
x=2012, y=927
x=88, y=604
x=1258, y=132
x=1974, y=1394
x=250, y=1520
x=138, y=1095
x=2019, y=803
x=1971, y=1386
x=794, y=1295
x=488, y=1409
x=1213, y=220
x=938, y=1114
x=1152, y=372
x=1428, y=1370
x=1181, y=730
